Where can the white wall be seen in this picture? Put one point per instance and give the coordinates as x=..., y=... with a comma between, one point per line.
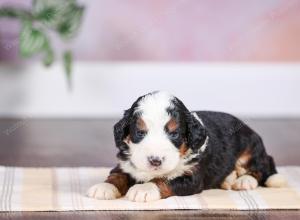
x=106, y=89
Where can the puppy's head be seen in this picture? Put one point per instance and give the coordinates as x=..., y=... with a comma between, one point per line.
x=156, y=134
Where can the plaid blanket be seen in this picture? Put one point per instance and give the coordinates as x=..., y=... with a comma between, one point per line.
x=63, y=189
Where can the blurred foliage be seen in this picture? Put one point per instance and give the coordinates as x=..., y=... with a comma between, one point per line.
x=68, y=58
x=45, y=16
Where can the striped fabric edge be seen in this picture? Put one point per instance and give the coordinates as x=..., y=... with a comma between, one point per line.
x=63, y=189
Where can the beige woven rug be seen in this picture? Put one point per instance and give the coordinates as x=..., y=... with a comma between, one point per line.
x=63, y=189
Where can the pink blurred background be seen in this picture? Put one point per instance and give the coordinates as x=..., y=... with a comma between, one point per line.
x=178, y=30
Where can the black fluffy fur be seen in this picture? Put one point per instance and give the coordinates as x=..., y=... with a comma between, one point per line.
x=228, y=137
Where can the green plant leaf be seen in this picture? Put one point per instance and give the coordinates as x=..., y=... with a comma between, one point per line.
x=71, y=21
x=49, y=8
x=48, y=57
x=63, y=16
x=68, y=60
x=47, y=15
x=49, y=12
x=40, y=5
x=15, y=13
x=32, y=40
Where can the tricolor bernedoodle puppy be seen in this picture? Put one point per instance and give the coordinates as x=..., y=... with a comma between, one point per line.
x=166, y=150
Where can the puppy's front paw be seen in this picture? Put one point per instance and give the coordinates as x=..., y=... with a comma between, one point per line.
x=103, y=191
x=245, y=182
x=143, y=192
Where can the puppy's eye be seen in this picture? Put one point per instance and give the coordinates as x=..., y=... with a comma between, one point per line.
x=140, y=133
x=174, y=134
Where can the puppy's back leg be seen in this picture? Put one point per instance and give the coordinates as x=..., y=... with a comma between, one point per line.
x=244, y=181
x=255, y=167
x=263, y=168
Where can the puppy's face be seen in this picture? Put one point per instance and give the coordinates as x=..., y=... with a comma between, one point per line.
x=155, y=138
x=155, y=134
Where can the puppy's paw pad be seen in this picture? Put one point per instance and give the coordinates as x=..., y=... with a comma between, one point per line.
x=144, y=192
x=103, y=191
x=245, y=182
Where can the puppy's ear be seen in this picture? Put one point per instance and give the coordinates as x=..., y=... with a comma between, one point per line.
x=121, y=131
x=196, y=133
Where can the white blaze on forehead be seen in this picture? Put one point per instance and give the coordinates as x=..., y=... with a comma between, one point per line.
x=153, y=108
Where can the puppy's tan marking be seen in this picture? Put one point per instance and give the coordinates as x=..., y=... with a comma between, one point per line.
x=240, y=178
x=240, y=170
x=229, y=180
x=172, y=125
x=141, y=124
x=120, y=181
x=244, y=158
x=127, y=140
x=242, y=162
x=165, y=190
x=183, y=149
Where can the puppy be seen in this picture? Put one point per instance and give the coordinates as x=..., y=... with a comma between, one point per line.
x=166, y=150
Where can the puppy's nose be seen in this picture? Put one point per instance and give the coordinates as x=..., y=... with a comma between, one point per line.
x=154, y=161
